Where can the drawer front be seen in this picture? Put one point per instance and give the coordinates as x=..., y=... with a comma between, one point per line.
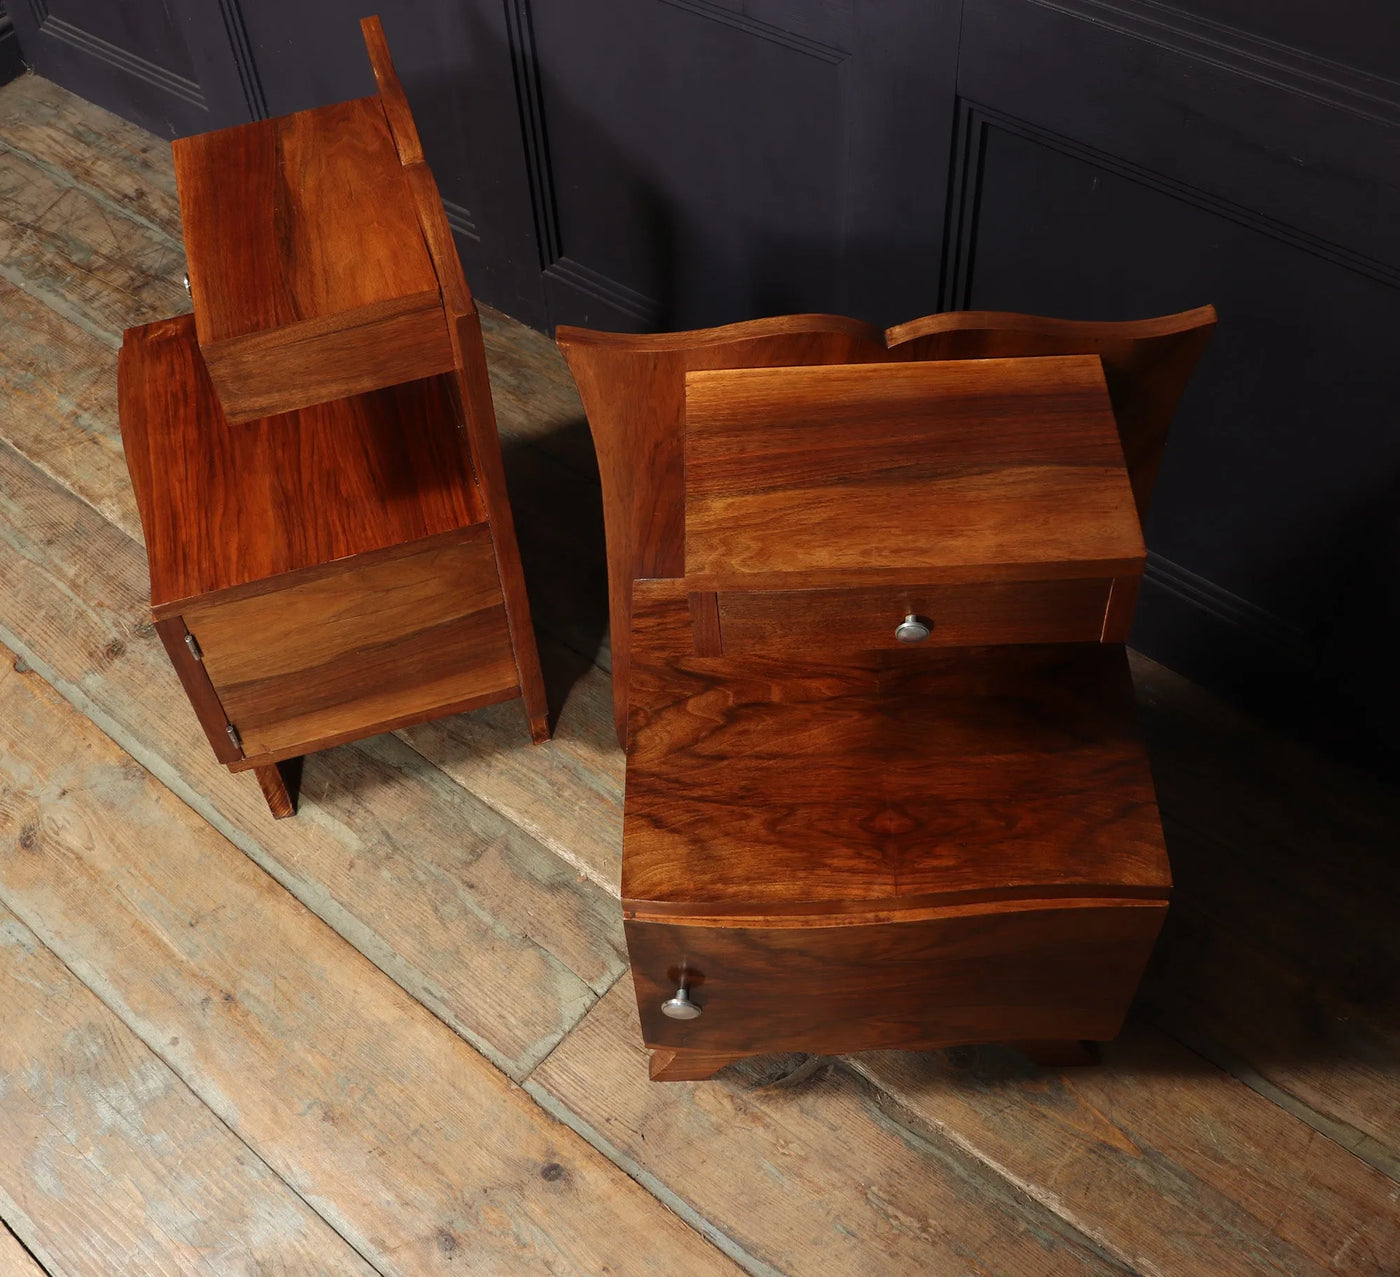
x=360, y=648
x=993, y=612
x=992, y=973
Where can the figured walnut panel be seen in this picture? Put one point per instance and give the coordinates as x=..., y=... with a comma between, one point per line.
x=802, y=624
x=223, y=508
x=349, y=652
x=955, y=471
x=309, y=275
x=892, y=780
x=980, y=973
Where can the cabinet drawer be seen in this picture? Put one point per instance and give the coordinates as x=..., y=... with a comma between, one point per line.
x=358, y=648
x=865, y=619
x=992, y=973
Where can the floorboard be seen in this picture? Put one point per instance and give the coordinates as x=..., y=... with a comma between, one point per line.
x=387, y=1002
x=420, y=1153
x=91, y=1107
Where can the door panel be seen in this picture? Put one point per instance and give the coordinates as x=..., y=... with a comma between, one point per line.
x=173, y=66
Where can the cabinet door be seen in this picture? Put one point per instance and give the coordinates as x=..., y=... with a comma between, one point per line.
x=359, y=649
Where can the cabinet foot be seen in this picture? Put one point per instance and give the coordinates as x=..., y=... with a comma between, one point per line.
x=1060, y=1053
x=280, y=784
x=539, y=728
x=670, y=1064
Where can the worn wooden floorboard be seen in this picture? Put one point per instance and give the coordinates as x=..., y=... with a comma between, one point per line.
x=108, y=1163
x=384, y=847
x=458, y=858
x=1167, y=1162
x=1279, y=957
x=414, y=1148
x=81, y=144
x=813, y=1180
x=15, y=1261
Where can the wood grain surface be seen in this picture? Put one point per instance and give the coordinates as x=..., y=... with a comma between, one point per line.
x=422, y=1155
x=88, y=1105
x=224, y=507
x=1146, y=363
x=309, y=276
x=757, y=786
x=351, y=653
x=633, y=388
x=962, y=470
x=992, y=972
x=802, y=624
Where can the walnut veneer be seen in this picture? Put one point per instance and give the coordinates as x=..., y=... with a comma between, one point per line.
x=835, y=840
x=314, y=450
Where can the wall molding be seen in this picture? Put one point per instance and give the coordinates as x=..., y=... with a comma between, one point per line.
x=763, y=30
x=241, y=51
x=1286, y=642
x=529, y=97
x=95, y=47
x=971, y=126
x=1233, y=49
x=460, y=220
x=638, y=306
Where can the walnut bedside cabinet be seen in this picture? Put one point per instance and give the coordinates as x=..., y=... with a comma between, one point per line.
x=314, y=450
x=869, y=599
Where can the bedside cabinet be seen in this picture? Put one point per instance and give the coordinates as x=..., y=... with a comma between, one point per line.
x=884, y=788
x=314, y=450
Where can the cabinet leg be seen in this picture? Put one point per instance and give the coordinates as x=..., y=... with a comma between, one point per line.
x=539, y=726
x=1059, y=1053
x=280, y=784
x=670, y=1064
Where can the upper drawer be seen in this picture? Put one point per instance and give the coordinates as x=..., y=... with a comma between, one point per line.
x=809, y=622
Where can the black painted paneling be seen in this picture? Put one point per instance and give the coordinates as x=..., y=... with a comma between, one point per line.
x=11, y=64
x=1105, y=176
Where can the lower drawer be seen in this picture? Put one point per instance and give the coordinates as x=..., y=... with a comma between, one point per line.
x=992, y=612
x=981, y=973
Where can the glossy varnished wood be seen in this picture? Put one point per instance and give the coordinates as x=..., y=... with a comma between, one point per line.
x=878, y=783
x=373, y=645
x=1146, y=363
x=801, y=624
x=965, y=470
x=309, y=276
x=226, y=507
x=964, y=974
x=633, y=390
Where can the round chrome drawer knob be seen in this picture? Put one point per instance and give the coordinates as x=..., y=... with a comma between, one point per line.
x=912, y=629
x=680, y=1007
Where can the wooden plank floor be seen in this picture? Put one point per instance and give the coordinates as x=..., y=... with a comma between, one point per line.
x=396, y=1033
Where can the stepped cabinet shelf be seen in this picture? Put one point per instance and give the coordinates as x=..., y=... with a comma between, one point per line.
x=869, y=597
x=314, y=450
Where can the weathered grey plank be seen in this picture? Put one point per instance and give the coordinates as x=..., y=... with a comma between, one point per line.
x=84, y=145
x=810, y=1180
x=406, y=1141
x=108, y=1163
x=384, y=849
x=1167, y=1162
x=15, y=1261
x=82, y=257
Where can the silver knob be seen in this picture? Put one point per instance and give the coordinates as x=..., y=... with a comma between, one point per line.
x=680, y=1007
x=913, y=629
x=187, y=283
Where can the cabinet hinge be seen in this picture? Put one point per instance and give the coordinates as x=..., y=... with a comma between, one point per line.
x=193, y=645
x=235, y=737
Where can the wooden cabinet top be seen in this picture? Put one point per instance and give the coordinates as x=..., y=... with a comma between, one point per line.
x=308, y=268
x=226, y=506
x=948, y=471
x=892, y=781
